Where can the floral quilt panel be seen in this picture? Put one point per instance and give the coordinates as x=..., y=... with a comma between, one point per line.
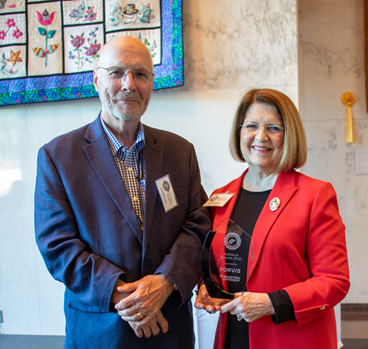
x=48, y=48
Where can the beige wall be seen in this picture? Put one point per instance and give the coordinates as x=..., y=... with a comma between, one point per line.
x=331, y=62
x=228, y=49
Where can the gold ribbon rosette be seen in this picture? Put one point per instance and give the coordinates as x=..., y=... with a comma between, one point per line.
x=348, y=100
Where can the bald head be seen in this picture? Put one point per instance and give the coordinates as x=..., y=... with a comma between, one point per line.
x=124, y=46
x=123, y=97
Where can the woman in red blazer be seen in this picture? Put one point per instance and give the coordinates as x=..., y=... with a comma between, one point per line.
x=299, y=269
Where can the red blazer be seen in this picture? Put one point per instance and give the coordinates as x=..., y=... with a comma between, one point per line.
x=299, y=248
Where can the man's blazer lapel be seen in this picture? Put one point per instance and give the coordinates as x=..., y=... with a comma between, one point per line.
x=283, y=189
x=99, y=155
x=153, y=159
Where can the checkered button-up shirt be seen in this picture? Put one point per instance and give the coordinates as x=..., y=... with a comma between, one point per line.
x=131, y=166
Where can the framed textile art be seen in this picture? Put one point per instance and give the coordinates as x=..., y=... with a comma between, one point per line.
x=48, y=48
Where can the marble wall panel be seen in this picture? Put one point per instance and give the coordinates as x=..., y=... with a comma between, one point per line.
x=239, y=43
x=326, y=150
x=356, y=208
x=331, y=159
x=331, y=61
x=331, y=50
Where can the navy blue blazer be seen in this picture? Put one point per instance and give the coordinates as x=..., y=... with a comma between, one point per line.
x=89, y=235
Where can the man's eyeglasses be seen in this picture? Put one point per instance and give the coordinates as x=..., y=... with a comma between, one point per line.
x=254, y=127
x=140, y=76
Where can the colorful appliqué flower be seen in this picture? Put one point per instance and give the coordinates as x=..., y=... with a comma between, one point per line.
x=10, y=22
x=90, y=15
x=14, y=57
x=87, y=53
x=17, y=33
x=92, y=50
x=77, y=41
x=45, y=18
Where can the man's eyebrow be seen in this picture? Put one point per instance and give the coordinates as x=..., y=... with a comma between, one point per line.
x=121, y=68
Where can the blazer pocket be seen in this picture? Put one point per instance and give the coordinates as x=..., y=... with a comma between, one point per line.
x=77, y=305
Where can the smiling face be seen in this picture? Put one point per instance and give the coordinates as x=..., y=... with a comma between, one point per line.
x=123, y=99
x=262, y=150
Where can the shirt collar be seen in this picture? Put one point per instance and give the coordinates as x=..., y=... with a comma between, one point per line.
x=117, y=144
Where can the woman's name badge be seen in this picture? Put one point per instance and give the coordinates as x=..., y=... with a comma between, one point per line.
x=219, y=200
x=167, y=194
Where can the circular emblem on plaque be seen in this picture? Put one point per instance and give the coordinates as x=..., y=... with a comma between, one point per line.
x=166, y=186
x=214, y=198
x=232, y=241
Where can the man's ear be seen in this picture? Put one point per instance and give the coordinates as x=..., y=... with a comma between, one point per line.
x=95, y=78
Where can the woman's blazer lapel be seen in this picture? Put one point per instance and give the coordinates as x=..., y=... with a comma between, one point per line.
x=284, y=189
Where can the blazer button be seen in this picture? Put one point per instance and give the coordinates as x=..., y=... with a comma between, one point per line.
x=322, y=308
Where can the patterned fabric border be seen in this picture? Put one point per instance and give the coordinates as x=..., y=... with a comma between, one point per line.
x=47, y=48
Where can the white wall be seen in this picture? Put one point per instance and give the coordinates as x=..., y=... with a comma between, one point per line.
x=331, y=63
x=228, y=49
x=30, y=299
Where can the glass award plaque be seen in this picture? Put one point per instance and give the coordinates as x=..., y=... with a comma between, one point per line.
x=226, y=262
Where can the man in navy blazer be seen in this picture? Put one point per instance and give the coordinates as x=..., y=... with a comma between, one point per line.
x=127, y=249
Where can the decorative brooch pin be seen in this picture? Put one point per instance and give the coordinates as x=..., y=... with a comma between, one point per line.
x=275, y=204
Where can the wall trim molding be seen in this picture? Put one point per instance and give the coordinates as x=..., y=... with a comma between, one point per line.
x=354, y=312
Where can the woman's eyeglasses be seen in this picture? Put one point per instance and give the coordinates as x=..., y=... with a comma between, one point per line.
x=254, y=127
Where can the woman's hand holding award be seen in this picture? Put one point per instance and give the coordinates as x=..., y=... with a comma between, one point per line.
x=226, y=261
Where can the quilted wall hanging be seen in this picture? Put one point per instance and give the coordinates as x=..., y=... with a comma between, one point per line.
x=48, y=48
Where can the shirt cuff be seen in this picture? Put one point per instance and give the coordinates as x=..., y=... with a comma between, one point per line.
x=284, y=309
x=174, y=298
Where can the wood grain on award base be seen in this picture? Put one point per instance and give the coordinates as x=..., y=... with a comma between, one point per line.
x=215, y=301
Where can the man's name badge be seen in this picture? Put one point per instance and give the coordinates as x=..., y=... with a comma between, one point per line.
x=219, y=200
x=167, y=194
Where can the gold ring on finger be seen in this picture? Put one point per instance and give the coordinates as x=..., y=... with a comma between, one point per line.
x=140, y=315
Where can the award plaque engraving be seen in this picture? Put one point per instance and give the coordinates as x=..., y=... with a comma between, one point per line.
x=226, y=261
